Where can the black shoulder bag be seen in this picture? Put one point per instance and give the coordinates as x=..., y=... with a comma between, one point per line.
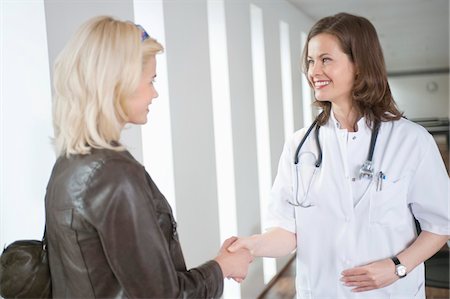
x=24, y=270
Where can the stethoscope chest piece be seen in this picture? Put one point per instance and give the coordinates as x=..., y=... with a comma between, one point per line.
x=366, y=170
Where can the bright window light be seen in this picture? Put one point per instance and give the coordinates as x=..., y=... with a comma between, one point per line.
x=157, y=133
x=286, y=80
x=223, y=135
x=25, y=120
x=262, y=122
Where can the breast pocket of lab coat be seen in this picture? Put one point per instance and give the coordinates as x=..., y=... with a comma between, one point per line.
x=388, y=202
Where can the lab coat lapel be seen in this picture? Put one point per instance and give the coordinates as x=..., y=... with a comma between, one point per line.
x=333, y=163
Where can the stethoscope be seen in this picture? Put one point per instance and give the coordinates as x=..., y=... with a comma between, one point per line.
x=366, y=170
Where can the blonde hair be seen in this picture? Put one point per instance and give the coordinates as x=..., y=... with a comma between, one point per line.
x=94, y=75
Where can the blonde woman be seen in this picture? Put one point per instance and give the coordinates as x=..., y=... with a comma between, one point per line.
x=110, y=232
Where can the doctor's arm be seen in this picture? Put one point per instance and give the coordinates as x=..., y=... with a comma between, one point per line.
x=274, y=243
x=382, y=273
x=428, y=199
x=280, y=239
x=424, y=247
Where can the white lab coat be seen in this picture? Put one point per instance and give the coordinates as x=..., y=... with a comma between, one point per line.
x=339, y=233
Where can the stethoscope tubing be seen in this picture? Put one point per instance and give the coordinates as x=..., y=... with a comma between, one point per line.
x=299, y=147
x=373, y=141
x=318, y=162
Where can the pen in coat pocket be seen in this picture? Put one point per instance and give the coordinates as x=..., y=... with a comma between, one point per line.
x=381, y=178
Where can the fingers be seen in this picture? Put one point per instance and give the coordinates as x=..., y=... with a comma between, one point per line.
x=363, y=289
x=234, y=264
x=369, y=277
x=355, y=278
x=361, y=283
x=235, y=246
x=241, y=243
x=245, y=256
x=354, y=271
x=229, y=241
x=237, y=279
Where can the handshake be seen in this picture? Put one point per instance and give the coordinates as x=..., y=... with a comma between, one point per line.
x=237, y=253
x=234, y=258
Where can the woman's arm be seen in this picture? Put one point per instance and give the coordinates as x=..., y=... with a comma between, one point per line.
x=122, y=209
x=382, y=273
x=424, y=247
x=428, y=200
x=274, y=243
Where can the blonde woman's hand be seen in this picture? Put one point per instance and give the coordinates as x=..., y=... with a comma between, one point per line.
x=234, y=264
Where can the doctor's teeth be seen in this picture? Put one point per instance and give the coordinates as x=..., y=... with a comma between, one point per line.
x=322, y=83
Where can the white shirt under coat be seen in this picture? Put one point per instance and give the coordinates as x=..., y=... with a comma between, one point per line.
x=351, y=223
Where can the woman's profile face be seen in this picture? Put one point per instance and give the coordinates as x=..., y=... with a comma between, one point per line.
x=137, y=106
x=331, y=73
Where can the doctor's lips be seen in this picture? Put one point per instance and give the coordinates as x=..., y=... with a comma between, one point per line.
x=321, y=83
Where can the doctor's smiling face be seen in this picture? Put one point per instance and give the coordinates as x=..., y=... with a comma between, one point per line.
x=331, y=73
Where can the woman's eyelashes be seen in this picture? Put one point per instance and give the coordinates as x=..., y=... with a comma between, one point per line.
x=324, y=60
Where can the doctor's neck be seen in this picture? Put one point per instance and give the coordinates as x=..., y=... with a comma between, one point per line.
x=347, y=116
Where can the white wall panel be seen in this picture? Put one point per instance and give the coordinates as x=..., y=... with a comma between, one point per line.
x=186, y=27
x=422, y=95
x=26, y=156
x=157, y=146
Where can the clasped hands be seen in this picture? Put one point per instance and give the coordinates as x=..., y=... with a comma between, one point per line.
x=234, y=260
x=238, y=254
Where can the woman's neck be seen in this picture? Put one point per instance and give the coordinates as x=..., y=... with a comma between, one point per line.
x=347, y=116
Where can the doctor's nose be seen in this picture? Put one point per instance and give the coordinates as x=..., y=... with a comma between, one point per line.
x=315, y=69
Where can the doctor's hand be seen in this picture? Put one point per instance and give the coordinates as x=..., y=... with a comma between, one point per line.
x=233, y=264
x=249, y=243
x=371, y=276
x=275, y=242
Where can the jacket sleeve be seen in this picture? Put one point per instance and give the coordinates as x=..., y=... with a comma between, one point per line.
x=119, y=207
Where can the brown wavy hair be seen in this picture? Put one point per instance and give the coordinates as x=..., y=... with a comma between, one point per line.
x=359, y=40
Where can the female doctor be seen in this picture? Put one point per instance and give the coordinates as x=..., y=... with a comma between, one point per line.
x=349, y=187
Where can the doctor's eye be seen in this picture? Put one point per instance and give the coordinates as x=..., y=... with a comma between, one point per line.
x=326, y=59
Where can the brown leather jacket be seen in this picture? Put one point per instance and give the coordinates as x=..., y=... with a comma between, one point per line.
x=111, y=233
